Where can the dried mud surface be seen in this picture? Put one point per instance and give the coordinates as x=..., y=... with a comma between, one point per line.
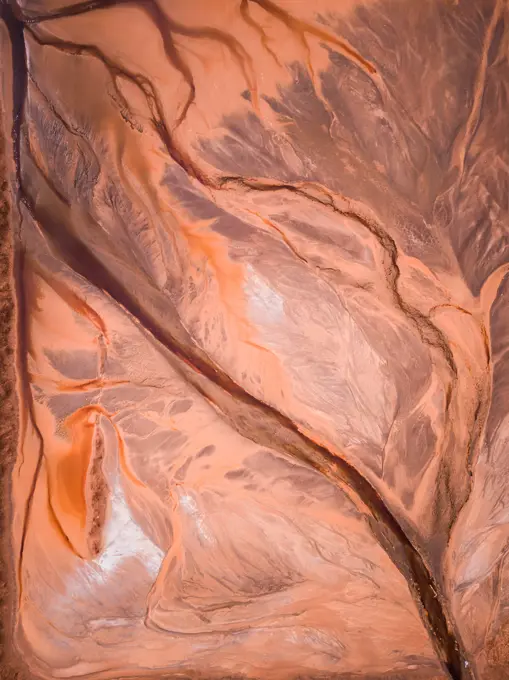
x=258, y=253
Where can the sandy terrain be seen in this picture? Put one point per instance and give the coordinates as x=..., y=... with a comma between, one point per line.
x=258, y=257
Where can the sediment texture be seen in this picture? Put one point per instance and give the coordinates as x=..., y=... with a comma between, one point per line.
x=261, y=279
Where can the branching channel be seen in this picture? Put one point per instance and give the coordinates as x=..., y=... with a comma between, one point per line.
x=254, y=419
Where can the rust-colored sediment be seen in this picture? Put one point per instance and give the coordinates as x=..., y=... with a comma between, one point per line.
x=261, y=285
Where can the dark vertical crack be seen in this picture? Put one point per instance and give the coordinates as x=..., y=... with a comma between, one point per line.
x=254, y=419
x=19, y=85
x=19, y=76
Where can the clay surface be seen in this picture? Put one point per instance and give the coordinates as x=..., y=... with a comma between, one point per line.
x=258, y=252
